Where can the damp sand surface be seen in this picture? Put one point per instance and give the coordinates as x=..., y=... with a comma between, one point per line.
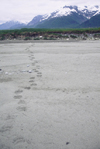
x=50, y=95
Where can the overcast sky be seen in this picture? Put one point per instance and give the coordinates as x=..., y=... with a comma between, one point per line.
x=25, y=10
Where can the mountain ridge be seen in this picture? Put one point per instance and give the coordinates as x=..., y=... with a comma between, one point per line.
x=66, y=17
x=76, y=14
x=71, y=14
x=92, y=22
x=11, y=25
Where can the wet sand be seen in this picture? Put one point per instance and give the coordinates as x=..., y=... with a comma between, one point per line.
x=50, y=95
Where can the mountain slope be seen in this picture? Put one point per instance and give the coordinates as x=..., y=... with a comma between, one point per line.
x=70, y=21
x=67, y=17
x=11, y=25
x=93, y=22
x=35, y=21
x=18, y=26
x=58, y=22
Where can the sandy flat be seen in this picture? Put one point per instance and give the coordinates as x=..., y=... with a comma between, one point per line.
x=50, y=95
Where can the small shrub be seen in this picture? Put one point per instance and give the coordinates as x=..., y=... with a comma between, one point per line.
x=52, y=38
x=60, y=36
x=73, y=36
x=85, y=35
x=27, y=38
x=96, y=35
x=66, y=36
x=45, y=38
x=36, y=38
x=2, y=38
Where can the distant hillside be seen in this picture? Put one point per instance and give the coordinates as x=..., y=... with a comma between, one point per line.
x=70, y=21
x=11, y=25
x=59, y=22
x=35, y=21
x=93, y=22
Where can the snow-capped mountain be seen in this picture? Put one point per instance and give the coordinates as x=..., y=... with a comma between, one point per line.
x=68, y=16
x=86, y=11
x=65, y=17
x=35, y=21
x=70, y=13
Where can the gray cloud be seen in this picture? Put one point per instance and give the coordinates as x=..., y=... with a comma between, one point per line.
x=80, y=2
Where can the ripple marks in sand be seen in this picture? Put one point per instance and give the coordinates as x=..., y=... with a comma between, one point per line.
x=20, y=139
x=5, y=128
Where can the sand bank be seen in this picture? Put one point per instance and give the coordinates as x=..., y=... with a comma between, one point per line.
x=50, y=95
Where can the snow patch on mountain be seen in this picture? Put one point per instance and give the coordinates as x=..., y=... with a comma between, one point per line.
x=86, y=11
x=63, y=12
